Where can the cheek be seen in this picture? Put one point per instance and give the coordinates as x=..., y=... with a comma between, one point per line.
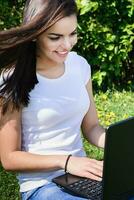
x=45, y=45
x=46, y=48
x=51, y=46
x=74, y=41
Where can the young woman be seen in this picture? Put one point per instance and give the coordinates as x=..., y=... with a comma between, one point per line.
x=46, y=100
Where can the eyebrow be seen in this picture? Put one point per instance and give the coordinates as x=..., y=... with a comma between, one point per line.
x=57, y=34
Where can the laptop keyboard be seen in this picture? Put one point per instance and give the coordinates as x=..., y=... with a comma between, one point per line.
x=87, y=188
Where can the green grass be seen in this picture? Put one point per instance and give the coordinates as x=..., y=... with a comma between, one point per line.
x=114, y=106
x=9, y=189
x=111, y=107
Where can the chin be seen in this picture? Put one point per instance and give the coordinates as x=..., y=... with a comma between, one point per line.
x=59, y=61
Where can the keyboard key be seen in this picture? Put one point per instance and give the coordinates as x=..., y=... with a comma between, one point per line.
x=88, y=188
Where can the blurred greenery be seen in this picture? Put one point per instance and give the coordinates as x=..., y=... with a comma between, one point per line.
x=106, y=39
x=10, y=13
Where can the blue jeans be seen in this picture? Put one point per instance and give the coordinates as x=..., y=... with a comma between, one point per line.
x=48, y=192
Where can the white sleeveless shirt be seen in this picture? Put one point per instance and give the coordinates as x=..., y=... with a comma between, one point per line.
x=51, y=124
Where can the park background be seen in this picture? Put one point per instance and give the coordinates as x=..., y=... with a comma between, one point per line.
x=106, y=40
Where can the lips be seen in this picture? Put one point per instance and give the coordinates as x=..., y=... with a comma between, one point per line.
x=62, y=53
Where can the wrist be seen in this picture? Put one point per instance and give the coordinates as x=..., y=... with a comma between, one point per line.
x=66, y=163
x=61, y=161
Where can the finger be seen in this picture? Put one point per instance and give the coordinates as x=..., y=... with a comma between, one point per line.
x=92, y=176
x=94, y=165
x=95, y=171
x=97, y=162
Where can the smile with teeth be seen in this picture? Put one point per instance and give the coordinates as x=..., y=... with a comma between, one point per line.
x=62, y=53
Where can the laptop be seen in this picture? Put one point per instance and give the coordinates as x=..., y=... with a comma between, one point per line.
x=118, y=169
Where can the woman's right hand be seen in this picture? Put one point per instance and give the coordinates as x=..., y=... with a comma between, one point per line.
x=85, y=167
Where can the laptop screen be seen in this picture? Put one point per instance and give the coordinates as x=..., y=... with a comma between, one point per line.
x=118, y=174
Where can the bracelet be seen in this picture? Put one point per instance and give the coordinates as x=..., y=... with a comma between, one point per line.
x=68, y=157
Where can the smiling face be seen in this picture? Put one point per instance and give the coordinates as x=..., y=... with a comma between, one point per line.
x=54, y=44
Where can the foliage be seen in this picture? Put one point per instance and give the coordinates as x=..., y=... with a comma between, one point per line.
x=10, y=13
x=9, y=189
x=106, y=39
x=114, y=106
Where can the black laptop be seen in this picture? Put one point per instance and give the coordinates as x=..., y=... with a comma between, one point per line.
x=118, y=170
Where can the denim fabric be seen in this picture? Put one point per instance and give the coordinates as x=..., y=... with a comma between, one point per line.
x=48, y=192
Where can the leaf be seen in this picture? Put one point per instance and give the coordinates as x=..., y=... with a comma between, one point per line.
x=98, y=77
x=87, y=6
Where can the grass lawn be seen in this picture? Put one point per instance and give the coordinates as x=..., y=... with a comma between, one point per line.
x=111, y=107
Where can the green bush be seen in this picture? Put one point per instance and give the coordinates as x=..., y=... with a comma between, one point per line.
x=106, y=39
x=10, y=13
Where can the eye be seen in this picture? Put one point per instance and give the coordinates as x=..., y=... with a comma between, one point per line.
x=54, y=38
x=74, y=33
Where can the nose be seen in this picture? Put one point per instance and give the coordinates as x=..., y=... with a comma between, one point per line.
x=67, y=43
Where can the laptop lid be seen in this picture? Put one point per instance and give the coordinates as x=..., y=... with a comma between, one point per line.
x=118, y=173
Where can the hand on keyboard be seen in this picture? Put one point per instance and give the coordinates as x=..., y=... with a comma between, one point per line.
x=85, y=167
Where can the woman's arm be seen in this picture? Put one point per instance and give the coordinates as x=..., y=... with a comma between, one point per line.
x=13, y=159
x=91, y=128
x=95, y=134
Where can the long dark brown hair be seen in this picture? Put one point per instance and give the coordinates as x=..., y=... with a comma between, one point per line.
x=18, y=49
